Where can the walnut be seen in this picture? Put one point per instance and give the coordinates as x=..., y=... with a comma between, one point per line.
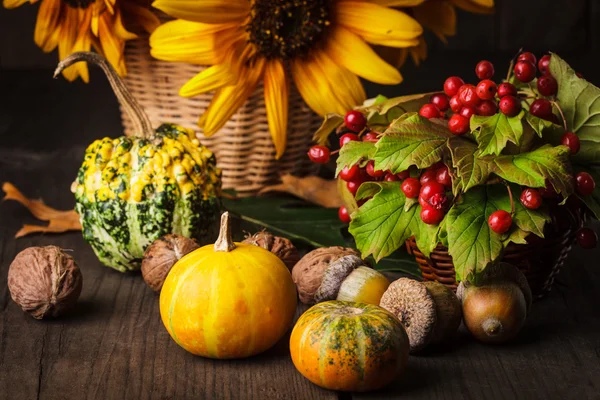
x=44, y=281
x=320, y=273
x=281, y=247
x=161, y=255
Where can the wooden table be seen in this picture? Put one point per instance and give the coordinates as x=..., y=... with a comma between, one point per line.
x=114, y=345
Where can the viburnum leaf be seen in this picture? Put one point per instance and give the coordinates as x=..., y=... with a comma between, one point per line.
x=354, y=152
x=534, y=168
x=405, y=104
x=537, y=124
x=382, y=224
x=330, y=123
x=492, y=133
x=470, y=169
x=410, y=140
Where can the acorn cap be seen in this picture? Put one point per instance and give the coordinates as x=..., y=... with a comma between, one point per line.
x=448, y=311
x=411, y=302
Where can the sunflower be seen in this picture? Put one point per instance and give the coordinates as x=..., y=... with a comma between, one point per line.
x=77, y=25
x=322, y=45
x=438, y=16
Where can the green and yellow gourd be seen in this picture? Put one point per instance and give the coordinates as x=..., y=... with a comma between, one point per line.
x=130, y=191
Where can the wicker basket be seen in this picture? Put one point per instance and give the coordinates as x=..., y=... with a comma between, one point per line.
x=243, y=147
x=540, y=260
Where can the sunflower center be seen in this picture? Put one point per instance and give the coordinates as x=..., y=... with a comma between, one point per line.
x=78, y=3
x=287, y=28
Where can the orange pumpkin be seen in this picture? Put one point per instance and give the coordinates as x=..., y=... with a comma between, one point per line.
x=230, y=300
x=349, y=346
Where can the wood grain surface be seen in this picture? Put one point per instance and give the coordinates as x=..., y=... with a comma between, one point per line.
x=113, y=346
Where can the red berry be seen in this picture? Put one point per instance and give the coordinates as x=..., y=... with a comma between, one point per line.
x=486, y=89
x=452, y=84
x=427, y=176
x=458, y=124
x=531, y=199
x=486, y=108
x=411, y=187
x=443, y=176
x=506, y=89
x=355, y=120
x=348, y=137
x=353, y=186
x=370, y=137
x=571, y=140
x=429, y=111
x=438, y=201
x=429, y=189
x=527, y=56
x=584, y=183
x=435, y=166
x=455, y=104
x=389, y=177
x=403, y=175
x=547, y=85
x=468, y=96
x=370, y=169
x=587, y=238
x=431, y=215
x=344, y=215
x=544, y=64
x=510, y=106
x=467, y=112
x=319, y=154
x=541, y=108
x=500, y=221
x=350, y=173
x=484, y=70
x=525, y=71
x=440, y=101
x=548, y=192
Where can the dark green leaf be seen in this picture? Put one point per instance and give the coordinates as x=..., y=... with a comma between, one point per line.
x=410, y=140
x=537, y=124
x=353, y=152
x=330, y=123
x=534, y=168
x=470, y=169
x=492, y=133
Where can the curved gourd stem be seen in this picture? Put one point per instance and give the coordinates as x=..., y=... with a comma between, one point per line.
x=224, y=242
x=142, y=124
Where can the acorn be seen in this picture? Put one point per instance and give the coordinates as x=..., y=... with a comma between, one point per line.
x=363, y=285
x=496, y=308
x=430, y=312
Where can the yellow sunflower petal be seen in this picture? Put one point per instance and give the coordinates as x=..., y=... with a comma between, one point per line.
x=83, y=43
x=378, y=24
x=345, y=85
x=479, y=7
x=276, y=103
x=212, y=78
x=68, y=35
x=193, y=42
x=47, y=24
x=208, y=11
x=229, y=99
x=112, y=46
x=119, y=28
x=14, y=3
x=349, y=50
x=397, y=3
x=141, y=15
x=439, y=17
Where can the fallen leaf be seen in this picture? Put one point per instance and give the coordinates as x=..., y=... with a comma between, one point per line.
x=59, y=221
x=323, y=192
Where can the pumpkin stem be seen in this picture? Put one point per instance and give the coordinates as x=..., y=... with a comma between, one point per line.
x=224, y=242
x=140, y=120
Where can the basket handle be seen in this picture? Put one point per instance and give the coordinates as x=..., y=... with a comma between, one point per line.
x=135, y=111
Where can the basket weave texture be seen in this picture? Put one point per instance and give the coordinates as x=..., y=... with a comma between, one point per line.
x=540, y=260
x=243, y=147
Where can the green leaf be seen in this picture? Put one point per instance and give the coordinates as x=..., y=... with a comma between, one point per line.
x=426, y=236
x=492, y=133
x=410, y=203
x=409, y=103
x=354, y=152
x=330, y=123
x=537, y=124
x=471, y=170
x=533, y=169
x=410, y=140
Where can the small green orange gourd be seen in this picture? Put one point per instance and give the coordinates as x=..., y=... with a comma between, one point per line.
x=341, y=345
x=228, y=300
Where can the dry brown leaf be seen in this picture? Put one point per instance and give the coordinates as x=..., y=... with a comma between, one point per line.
x=59, y=221
x=323, y=192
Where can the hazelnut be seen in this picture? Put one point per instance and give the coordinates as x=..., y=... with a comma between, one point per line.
x=161, y=255
x=281, y=247
x=44, y=281
x=319, y=274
